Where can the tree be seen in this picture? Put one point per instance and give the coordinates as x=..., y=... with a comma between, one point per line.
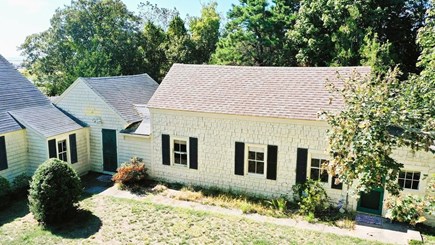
x=329, y=32
x=255, y=34
x=205, y=33
x=86, y=38
x=381, y=114
x=152, y=13
x=154, y=52
x=178, y=44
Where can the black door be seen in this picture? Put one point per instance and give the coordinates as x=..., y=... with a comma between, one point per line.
x=110, y=156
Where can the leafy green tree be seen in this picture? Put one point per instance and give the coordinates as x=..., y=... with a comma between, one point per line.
x=330, y=32
x=159, y=16
x=178, y=44
x=154, y=52
x=205, y=33
x=381, y=114
x=86, y=38
x=255, y=34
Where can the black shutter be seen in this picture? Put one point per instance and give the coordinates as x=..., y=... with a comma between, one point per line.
x=3, y=155
x=166, y=152
x=272, y=159
x=193, y=153
x=301, y=165
x=52, y=152
x=239, y=158
x=73, y=147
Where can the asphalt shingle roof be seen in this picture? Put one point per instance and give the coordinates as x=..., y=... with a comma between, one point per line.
x=279, y=92
x=18, y=96
x=122, y=93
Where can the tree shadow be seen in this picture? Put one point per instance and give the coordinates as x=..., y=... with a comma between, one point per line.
x=17, y=208
x=82, y=224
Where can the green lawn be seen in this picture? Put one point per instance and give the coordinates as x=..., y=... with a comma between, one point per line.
x=122, y=221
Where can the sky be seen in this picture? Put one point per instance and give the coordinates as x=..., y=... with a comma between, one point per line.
x=20, y=18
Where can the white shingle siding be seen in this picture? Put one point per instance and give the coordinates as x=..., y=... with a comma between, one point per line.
x=37, y=150
x=217, y=135
x=16, y=150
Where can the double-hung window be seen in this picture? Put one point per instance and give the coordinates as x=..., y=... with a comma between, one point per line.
x=409, y=179
x=62, y=150
x=316, y=170
x=180, y=152
x=256, y=160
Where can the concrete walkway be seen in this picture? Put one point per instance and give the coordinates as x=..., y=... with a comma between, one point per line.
x=388, y=233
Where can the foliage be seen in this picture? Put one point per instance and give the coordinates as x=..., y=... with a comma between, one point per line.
x=205, y=33
x=21, y=184
x=154, y=50
x=279, y=204
x=85, y=38
x=311, y=197
x=5, y=189
x=132, y=172
x=255, y=34
x=407, y=208
x=54, y=192
x=329, y=32
x=152, y=13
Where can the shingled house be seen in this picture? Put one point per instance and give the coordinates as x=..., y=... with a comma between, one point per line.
x=33, y=130
x=115, y=109
x=256, y=130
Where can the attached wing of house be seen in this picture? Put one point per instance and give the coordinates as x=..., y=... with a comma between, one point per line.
x=115, y=108
x=28, y=122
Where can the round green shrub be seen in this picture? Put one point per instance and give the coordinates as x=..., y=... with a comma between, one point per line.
x=54, y=192
x=311, y=197
x=20, y=185
x=5, y=189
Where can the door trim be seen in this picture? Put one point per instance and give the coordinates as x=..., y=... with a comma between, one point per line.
x=102, y=150
x=369, y=210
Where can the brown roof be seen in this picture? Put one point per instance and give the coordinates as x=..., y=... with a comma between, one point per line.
x=280, y=92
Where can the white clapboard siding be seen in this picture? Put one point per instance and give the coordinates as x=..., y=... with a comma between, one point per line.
x=138, y=146
x=16, y=150
x=38, y=150
x=88, y=107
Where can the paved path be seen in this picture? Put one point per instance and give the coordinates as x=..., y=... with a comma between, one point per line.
x=386, y=235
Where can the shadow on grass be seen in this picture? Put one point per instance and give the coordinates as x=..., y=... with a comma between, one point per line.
x=17, y=208
x=83, y=224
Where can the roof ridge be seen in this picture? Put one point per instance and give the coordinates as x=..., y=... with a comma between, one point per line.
x=271, y=67
x=115, y=77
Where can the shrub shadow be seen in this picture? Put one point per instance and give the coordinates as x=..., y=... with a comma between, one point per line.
x=17, y=208
x=82, y=224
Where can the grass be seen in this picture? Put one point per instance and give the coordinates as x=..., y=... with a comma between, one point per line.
x=109, y=220
x=249, y=204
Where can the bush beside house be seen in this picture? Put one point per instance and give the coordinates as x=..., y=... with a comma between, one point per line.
x=54, y=191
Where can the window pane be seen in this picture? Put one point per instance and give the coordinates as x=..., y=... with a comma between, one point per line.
x=408, y=175
x=401, y=183
x=401, y=174
x=183, y=161
x=416, y=175
x=315, y=162
x=251, y=166
x=260, y=156
x=176, y=147
x=183, y=148
x=415, y=185
x=260, y=167
x=177, y=158
x=324, y=176
x=408, y=184
x=251, y=155
x=314, y=174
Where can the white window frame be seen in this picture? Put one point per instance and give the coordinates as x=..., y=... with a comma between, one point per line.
x=173, y=151
x=420, y=180
x=321, y=156
x=67, y=149
x=247, y=145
